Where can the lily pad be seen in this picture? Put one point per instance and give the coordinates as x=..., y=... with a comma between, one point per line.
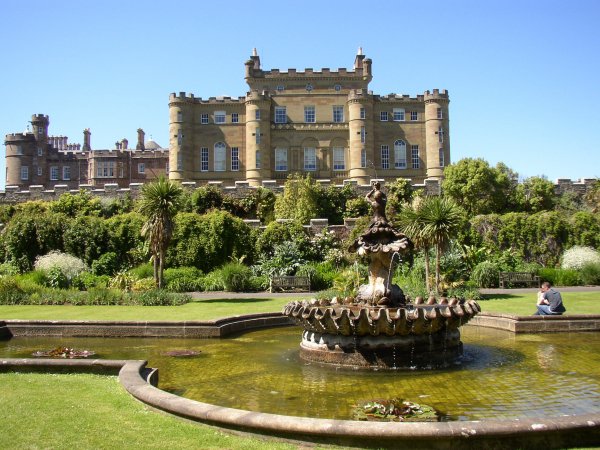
x=394, y=410
x=63, y=352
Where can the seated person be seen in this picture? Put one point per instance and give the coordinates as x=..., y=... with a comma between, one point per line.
x=549, y=301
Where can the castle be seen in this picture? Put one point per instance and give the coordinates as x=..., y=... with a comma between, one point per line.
x=324, y=123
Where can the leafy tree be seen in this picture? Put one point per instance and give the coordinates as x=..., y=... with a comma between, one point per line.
x=357, y=207
x=19, y=240
x=86, y=237
x=158, y=204
x=124, y=231
x=210, y=240
x=332, y=202
x=206, y=198
x=299, y=200
x=277, y=233
x=592, y=197
x=399, y=193
x=264, y=201
x=477, y=187
x=584, y=229
x=81, y=203
x=535, y=194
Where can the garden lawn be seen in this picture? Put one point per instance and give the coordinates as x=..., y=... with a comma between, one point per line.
x=208, y=309
x=83, y=411
x=524, y=304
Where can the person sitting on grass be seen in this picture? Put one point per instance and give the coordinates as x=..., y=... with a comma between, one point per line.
x=549, y=301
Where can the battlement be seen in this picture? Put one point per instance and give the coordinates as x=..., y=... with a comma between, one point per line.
x=40, y=118
x=309, y=72
x=436, y=94
x=183, y=98
x=395, y=98
x=18, y=137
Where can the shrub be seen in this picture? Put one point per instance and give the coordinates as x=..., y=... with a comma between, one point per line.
x=144, y=284
x=590, y=274
x=561, y=277
x=578, y=256
x=258, y=283
x=86, y=280
x=87, y=238
x=10, y=292
x=236, y=277
x=8, y=269
x=213, y=281
x=467, y=292
x=485, y=274
x=107, y=264
x=183, y=279
x=70, y=266
x=159, y=297
x=122, y=281
x=55, y=278
x=144, y=271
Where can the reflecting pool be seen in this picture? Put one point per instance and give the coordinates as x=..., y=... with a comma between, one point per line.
x=502, y=375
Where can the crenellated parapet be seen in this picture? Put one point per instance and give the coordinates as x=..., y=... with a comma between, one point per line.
x=436, y=95
x=183, y=98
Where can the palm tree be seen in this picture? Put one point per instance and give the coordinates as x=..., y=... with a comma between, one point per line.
x=410, y=220
x=159, y=202
x=441, y=218
x=431, y=222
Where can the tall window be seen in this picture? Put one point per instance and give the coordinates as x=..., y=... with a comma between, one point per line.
x=235, y=158
x=204, y=159
x=399, y=115
x=439, y=113
x=280, y=114
x=179, y=137
x=363, y=158
x=257, y=135
x=414, y=156
x=257, y=114
x=24, y=173
x=219, y=116
x=179, y=161
x=40, y=151
x=258, y=162
x=66, y=172
x=339, y=160
x=385, y=157
x=54, y=172
x=338, y=114
x=383, y=116
x=179, y=116
x=235, y=118
x=310, y=158
x=363, y=135
x=204, y=119
x=281, y=159
x=414, y=116
x=400, y=154
x=39, y=172
x=363, y=115
x=441, y=151
x=141, y=168
x=104, y=169
x=19, y=149
x=220, y=157
x=309, y=114
x=440, y=134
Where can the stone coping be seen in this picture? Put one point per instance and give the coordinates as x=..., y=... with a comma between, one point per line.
x=236, y=324
x=139, y=381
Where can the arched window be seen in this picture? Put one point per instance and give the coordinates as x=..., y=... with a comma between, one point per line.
x=400, y=154
x=220, y=157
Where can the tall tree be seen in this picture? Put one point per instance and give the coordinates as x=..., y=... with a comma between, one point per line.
x=299, y=200
x=159, y=202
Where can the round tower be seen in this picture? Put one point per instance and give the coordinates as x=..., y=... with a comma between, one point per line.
x=20, y=148
x=360, y=125
x=258, y=137
x=437, y=137
x=39, y=124
x=181, y=151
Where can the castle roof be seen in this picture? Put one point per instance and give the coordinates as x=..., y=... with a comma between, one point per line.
x=152, y=145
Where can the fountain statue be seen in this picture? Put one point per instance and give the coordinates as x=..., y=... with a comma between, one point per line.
x=381, y=327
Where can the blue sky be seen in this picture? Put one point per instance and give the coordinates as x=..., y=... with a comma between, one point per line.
x=523, y=76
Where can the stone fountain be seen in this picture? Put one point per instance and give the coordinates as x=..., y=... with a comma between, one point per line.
x=381, y=327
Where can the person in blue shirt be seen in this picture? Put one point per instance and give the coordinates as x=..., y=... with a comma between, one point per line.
x=549, y=301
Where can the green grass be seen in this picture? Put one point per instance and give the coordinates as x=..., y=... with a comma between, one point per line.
x=197, y=310
x=524, y=304
x=83, y=411
x=208, y=309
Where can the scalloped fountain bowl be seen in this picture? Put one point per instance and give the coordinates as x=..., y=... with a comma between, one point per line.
x=406, y=337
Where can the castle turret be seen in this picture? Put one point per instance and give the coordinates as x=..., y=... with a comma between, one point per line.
x=181, y=145
x=39, y=123
x=361, y=142
x=258, y=137
x=437, y=139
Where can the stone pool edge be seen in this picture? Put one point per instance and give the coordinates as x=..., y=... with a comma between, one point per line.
x=139, y=381
x=237, y=324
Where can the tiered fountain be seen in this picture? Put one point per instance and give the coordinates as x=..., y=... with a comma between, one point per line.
x=381, y=327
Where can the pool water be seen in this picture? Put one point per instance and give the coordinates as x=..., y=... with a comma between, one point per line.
x=502, y=375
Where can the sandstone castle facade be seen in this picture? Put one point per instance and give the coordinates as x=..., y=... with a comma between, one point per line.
x=326, y=123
